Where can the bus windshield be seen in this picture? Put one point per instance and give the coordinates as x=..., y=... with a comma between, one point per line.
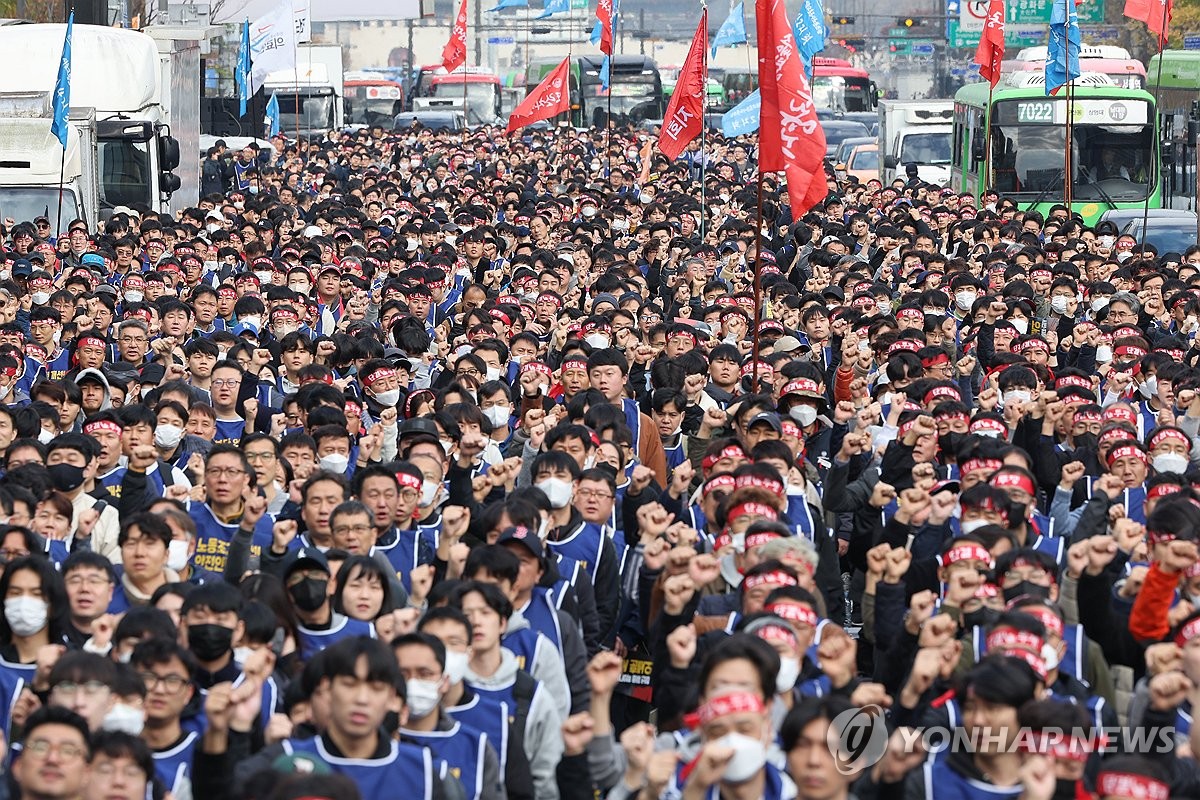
x=481, y=98
x=637, y=97
x=1109, y=162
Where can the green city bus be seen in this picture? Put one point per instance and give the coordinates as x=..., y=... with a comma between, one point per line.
x=1114, y=145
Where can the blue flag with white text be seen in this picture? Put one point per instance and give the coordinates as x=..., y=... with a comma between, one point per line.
x=742, y=118
x=62, y=89
x=243, y=69
x=555, y=7
x=732, y=30
x=1062, y=51
x=503, y=4
x=809, y=30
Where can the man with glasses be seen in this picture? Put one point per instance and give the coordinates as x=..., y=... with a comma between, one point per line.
x=83, y=683
x=227, y=379
x=53, y=755
x=167, y=670
x=231, y=507
x=262, y=451
x=133, y=341
x=89, y=578
x=121, y=768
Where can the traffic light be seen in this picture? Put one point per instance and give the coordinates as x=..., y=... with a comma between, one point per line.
x=909, y=22
x=843, y=20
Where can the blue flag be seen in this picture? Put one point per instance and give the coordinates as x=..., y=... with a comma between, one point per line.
x=604, y=74
x=503, y=4
x=243, y=68
x=594, y=36
x=1062, y=51
x=62, y=89
x=555, y=7
x=732, y=30
x=742, y=118
x=809, y=30
x=273, y=114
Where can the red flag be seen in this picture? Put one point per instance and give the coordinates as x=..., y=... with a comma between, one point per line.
x=604, y=13
x=1155, y=13
x=454, y=54
x=789, y=137
x=548, y=99
x=990, y=53
x=685, y=112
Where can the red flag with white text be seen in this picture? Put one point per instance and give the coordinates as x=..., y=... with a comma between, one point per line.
x=454, y=54
x=604, y=13
x=990, y=53
x=1155, y=13
x=789, y=137
x=548, y=99
x=685, y=112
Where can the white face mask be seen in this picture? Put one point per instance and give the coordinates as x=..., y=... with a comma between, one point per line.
x=1104, y=354
x=598, y=341
x=1021, y=324
x=1170, y=462
x=423, y=697
x=167, y=436
x=498, y=415
x=456, y=666
x=972, y=525
x=805, y=415
x=40, y=298
x=492, y=373
x=254, y=320
x=964, y=300
x=264, y=277
x=124, y=719
x=335, y=463
x=283, y=330
x=1017, y=396
x=389, y=398
x=429, y=493
x=1050, y=656
x=25, y=615
x=1059, y=304
x=45, y=436
x=789, y=673
x=177, y=555
x=557, y=491
x=1099, y=304
x=749, y=756
x=1149, y=387
x=300, y=288
x=134, y=296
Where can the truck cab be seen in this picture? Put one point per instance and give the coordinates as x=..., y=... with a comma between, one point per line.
x=916, y=132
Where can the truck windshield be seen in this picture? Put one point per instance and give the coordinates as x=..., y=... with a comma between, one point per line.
x=379, y=111
x=30, y=202
x=925, y=148
x=481, y=98
x=315, y=112
x=125, y=173
x=634, y=97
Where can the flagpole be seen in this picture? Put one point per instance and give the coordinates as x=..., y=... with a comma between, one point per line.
x=1067, y=58
x=704, y=128
x=757, y=280
x=985, y=184
x=62, y=164
x=1162, y=36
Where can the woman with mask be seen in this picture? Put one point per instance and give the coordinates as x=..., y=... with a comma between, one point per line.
x=35, y=609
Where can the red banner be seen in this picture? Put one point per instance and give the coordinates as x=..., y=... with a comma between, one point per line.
x=789, y=136
x=685, y=112
x=1155, y=13
x=454, y=54
x=604, y=13
x=550, y=98
x=990, y=53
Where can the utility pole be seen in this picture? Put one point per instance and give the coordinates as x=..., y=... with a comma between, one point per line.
x=478, y=37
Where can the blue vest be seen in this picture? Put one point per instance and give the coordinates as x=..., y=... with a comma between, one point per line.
x=675, y=455
x=584, y=545
x=633, y=418
x=111, y=481
x=1074, y=660
x=229, y=431
x=772, y=787
x=489, y=716
x=542, y=615
x=213, y=538
x=407, y=771
x=13, y=678
x=312, y=642
x=463, y=749
x=800, y=516
x=59, y=366
x=943, y=783
x=408, y=549
x=174, y=767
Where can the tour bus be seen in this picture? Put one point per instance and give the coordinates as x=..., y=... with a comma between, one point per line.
x=840, y=85
x=1179, y=83
x=1114, y=146
x=1115, y=62
x=636, y=89
x=372, y=99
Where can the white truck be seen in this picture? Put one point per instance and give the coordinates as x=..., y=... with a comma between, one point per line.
x=312, y=97
x=121, y=150
x=916, y=132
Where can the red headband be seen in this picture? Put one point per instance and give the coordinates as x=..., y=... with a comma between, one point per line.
x=763, y=369
x=976, y=464
x=1127, y=451
x=761, y=538
x=1073, y=380
x=757, y=509
x=1169, y=433
x=773, y=578
x=794, y=612
x=1130, y=350
x=537, y=366
x=1125, y=784
x=774, y=487
x=733, y=451
x=1072, y=748
x=1013, y=480
x=1162, y=490
x=1007, y=640
x=102, y=425
x=90, y=341
x=1188, y=632
x=411, y=481
x=379, y=375
x=967, y=552
x=1045, y=616
x=734, y=703
x=776, y=633
x=989, y=424
x=1121, y=413
x=800, y=385
x=949, y=392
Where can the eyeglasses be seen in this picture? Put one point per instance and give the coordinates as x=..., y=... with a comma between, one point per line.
x=41, y=748
x=343, y=530
x=408, y=495
x=230, y=382
x=472, y=372
x=172, y=683
x=593, y=494
x=89, y=688
x=9, y=555
x=267, y=456
x=91, y=581
x=228, y=472
x=133, y=339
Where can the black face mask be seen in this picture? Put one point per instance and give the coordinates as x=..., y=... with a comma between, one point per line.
x=1017, y=514
x=982, y=618
x=1086, y=441
x=1065, y=789
x=209, y=642
x=950, y=442
x=1026, y=589
x=65, y=477
x=310, y=593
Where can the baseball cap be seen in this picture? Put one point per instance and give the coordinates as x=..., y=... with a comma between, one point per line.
x=523, y=536
x=307, y=558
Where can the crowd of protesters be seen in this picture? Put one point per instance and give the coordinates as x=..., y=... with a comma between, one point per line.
x=449, y=465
